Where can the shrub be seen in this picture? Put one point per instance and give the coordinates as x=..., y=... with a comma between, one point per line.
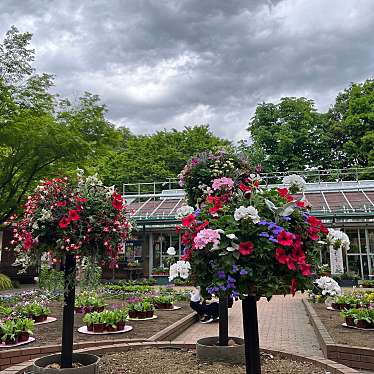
x=51, y=280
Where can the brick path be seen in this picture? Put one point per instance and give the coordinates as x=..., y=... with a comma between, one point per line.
x=283, y=325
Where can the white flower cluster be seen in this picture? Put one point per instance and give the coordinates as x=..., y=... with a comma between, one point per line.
x=171, y=251
x=247, y=212
x=184, y=211
x=328, y=286
x=179, y=269
x=294, y=181
x=338, y=239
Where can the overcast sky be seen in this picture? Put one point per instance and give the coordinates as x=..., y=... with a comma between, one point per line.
x=167, y=64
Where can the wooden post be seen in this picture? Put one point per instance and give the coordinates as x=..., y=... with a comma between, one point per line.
x=68, y=316
x=223, y=322
x=251, y=340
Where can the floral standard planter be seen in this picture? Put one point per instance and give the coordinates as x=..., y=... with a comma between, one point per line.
x=90, y=364
x=208, y=350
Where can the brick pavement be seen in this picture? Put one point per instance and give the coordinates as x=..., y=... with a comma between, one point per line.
x=283, y=325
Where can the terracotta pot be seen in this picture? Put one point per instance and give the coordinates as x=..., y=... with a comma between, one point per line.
x=89, y=327
x=98, y=327
x=363, y=324
x=141, y=315
x=133, y=314
x=149, y=314
x=349, y=321
x=121, y=325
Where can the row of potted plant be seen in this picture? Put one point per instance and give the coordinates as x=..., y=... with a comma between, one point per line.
x=35, y=311
x=108, y=320
x=88, y=302
x=353, y=300
x=13, y=331
x=362, y=318
x=162, y=301
x=367, y=283
x=141, y=310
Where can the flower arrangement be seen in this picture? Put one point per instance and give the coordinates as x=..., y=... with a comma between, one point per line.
x=328, y=286
x=248, y=238
x=86, y=219
x=338, y=239
x=180, y=269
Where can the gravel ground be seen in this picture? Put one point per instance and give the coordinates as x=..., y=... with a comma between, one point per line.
x=173, y=361
x=50, y=333
x=342, y=335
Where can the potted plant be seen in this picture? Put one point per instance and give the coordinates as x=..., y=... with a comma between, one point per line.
x=148, y=308
x=98, y=322
x=347, y=279
x=24, y=328
x=37, y=312
x=163, y=302
x=89, y=319
x=363, y=319
x=140, y=312
x=349, y=315
x=132, y=311
x=80, y=217
x=110, y=320
x=248, y=240
x=9, y=336
x=121, y=316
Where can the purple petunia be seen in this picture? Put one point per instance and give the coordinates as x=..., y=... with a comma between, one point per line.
x=221, y=274
x=243, y=272
x=264, y=234
x=235, y=268
x=272, y=239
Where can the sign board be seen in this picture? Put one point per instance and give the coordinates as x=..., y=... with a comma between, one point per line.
x=336, y=261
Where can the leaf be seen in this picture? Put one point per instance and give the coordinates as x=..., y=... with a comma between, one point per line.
x=270, y=205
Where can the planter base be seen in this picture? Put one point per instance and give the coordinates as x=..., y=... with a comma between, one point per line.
x=208, y=350
x=83, y=330
x=90, y=362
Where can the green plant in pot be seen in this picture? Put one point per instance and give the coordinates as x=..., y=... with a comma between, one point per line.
x=110, y=320
x=349, y=315
x=148, y=309
x=363, y=319
x=37, y=312
x=24, y=329
x=71, y=218
x=139, y=309
x=9, y=335
x=120, y=318
x=163, y=302
x=132, y=310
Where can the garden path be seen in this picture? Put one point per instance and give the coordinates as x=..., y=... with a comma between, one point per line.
x=283, y=325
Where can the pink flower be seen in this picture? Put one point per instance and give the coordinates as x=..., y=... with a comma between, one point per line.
x=223, y=182
x=246, y=248
x=206, y=236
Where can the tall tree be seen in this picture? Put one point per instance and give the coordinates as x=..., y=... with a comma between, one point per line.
x=290, y=135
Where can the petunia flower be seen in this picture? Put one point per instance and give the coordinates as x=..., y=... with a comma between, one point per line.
x=246, y=248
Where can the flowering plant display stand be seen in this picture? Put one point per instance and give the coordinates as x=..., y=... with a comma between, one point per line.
x=83, y=330
x=30, y=340
x=142, y=319
x=356, y=328
x=48, y=320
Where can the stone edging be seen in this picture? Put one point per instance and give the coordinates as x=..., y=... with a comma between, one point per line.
x=356, y=357
x=326, y=364
x=15, y=356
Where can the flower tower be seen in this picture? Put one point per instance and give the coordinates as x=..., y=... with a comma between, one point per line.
x=71, y=220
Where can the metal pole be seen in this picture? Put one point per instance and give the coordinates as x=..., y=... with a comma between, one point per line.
x=68, y=316
x=251, y=340
x=223, y=322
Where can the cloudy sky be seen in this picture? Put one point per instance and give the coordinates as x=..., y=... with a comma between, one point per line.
x=171, y=63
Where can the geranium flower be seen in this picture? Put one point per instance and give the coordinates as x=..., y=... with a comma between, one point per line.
x=245, y=188
x=246, y=248
x=61, y=203
x=64, y=222
x=223, y=182
x=189, y=220
x=247, y=212
x=285, y=238
x=205, y=237
x=283, y=192
x=73, y=215
x=81, y=199
x=27, y=244
x=117, y=204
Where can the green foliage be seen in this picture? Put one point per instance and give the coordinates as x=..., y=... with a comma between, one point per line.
x=33, y=309
x=91, y=275
x=51, y=280
x=89, y=299
x=5, y=282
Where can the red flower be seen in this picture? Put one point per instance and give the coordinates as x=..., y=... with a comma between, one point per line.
x=313, y=221
x=305, y=269
x=293, y=286
x=289, y=198
x=73, y=215
x=27, y=244
x=61, y=203
x=117, y=204
x=313, y=233
x=245, y=188
x=301, y=204
x=282, y=258
x=189, y=220
x=285, y=238
x=116, y=196
x=81, y=199
x=246, y=248
x=202, y=226
x=283, y=192
x=324, y=229
x=64, y=222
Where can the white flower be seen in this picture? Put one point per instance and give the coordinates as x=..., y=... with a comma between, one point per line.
x=247, y=212
x=328, y=286
x=294, y=180
x=184, y=211
x=179, y=269
x=231, y=236
x=46, y=215
x=234, y=247
x=171, y=251
x=35, y=226
x=338, y=239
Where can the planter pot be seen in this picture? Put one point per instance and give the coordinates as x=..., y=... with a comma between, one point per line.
x=90, y=364
x=121, y=326
x=38, y=319
x=79, y=309
x=98, y=327
x=133, y=314
x=23, y=336
x=98, y=309
x=141, y=315
x=363, y=324
x=349, y=321
x=89, y=327
x=10, y=341
x=335, y=306
x=208, y=350
x=88, y=309
x=347, y=283
x=110, y=328
x=149, y=314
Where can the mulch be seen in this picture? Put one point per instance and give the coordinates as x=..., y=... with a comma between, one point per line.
x=342, y=335
x=50, y=333
x=173, y=361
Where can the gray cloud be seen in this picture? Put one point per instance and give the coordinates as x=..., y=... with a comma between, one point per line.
x=162, y=64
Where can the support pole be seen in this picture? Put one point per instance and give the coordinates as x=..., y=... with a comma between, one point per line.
x=68, y=316
x=251, y=340
x=223, y=321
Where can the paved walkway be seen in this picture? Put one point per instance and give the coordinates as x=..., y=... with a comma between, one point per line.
x=283, y=325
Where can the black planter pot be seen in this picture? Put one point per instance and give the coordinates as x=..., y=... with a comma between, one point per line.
x=90, y=364
x=347, y=283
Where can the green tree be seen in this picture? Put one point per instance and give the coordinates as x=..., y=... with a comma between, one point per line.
x=351, y=122
x=290, y=135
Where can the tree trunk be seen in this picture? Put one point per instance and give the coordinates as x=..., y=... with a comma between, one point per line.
x=251, y=340
x=68, y=316
x=223, y=321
